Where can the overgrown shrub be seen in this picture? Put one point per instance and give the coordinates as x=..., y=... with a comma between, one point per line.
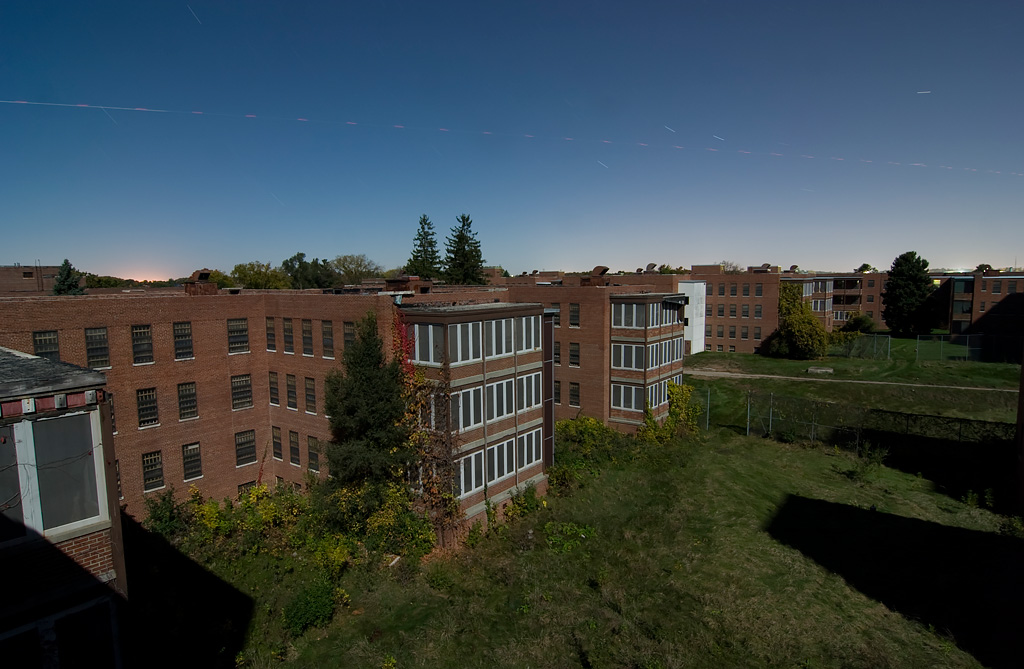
x=564, y=537
x=165, y=516
x=522, y=502
x=312, y=606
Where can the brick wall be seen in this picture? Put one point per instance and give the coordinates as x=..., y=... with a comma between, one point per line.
x=92, y=552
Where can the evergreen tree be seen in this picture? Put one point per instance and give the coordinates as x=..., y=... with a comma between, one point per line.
x=425, y=262
x=366, y=403
x=907, y=309
x=463, y=262
x=67, y=279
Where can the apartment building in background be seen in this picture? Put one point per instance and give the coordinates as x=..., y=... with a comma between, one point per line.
x=27, y=279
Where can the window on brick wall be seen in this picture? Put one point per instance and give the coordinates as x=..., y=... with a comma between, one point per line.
x=271, y=334
x=310, y=395
x=574, y=354
x=721, y=290
x=745, y=311
x=498, y=337
x=313, y=454
x=327, y=331
x=152, y=471
x=758, y=289
x=191, y=461
x=293, y=395
x=721, y=310
x=744, y=332
x=97, y=352
x=467, y=409
x=146, y=400
x=188, y=404
x=707, y=330
x=528, y=392
x=238, y=335
x=732, y=290
x=574, y=315
x=275, y=395
x=428, y=344
x=757, y=334
x=245, y=447
x=293, y=447
x=732, y=311
x=464, y=342
x=307, y=337
x=708, y=310
x=746, y=290
x=757, y=311
x=350, y=333
x=630, y=398
x=997, y=286
x=182, y=333
x=529, y=447
x=289, y=335
x=241, y=391
x=709, y=288
x=732, y=332
x=558, y=353
x=574, y=394
x=142, y=344
x=275, y=431
x=500, y=399
x=558, y=392
x=556, y=318
x=44, y=344
x=720, y=331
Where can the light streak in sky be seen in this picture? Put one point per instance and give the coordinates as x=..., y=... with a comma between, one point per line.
x=602, y=164
x=107, y=108
x=194, y=14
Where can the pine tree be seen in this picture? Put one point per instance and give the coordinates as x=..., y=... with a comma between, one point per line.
x=366, y=404
x=66, y=282
x=463, y=262
x=425, y=262
x=907, y=309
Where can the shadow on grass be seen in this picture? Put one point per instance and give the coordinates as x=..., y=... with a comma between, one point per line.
x=964, y=583
x=180, y=614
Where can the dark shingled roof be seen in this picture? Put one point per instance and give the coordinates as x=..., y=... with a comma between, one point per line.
x=24, y=375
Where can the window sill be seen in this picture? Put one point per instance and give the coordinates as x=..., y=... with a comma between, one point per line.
x=308, y=355
x=186, y=420
x=242, y=408
x=143, y=364
x=292, y=409
x=310, y=413
x=247, y=464
x=191, y=357
x=289, y=352
x=146, y=427
x=328, y=357
x=102, y=369
x=194, y=478
x=275, y=404
x=238, y=352
x=295, y=464
x=281, y=459
x=271, y=350
x=144, y=492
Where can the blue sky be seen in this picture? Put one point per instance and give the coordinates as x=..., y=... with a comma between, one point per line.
x=155, y=194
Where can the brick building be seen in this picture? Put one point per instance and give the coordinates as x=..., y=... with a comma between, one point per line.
x=60, y=530
x=27, y=280
x=495, y=359
x=617, y=341
x=741, y=308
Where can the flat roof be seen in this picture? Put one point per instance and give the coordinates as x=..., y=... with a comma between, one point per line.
x=466, y=308
x=25, y=375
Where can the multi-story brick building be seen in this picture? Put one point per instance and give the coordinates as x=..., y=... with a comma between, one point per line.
x=495, y=360
x=741, y=308
x=60, y=531
x=27, y=279
x=213, y=389
x=617, y=342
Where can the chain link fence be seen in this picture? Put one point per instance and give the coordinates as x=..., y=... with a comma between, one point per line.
x=866, y=346
x=975, y=347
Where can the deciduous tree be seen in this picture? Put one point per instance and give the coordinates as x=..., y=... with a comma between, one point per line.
x=352, y=269
x=315, y=274
x=866, y=267
x=907, y=310
x=425, y=261
x=260, y=275
x=67, y=280
x=464, y=263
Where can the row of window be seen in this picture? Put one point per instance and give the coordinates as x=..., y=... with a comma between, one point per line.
x=245, y=453
x=503, y=398
x=652, y=356
x=306, y=336
x=758, y=289
x=720, y=332
x=645, y=315
x=292, y=393
x=846, y=315
x=632, y=398
x=821, y=305
x=997, y=286
x=470, y=342
x=46, y=343
x=497, y=462
x=744, y=310
x=574, y=314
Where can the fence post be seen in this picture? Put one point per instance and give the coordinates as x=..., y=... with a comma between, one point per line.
x=888, y=347
x=814, y=422
x=749, y=392
x=917, y=349
x=941, y=339
x=707, y=417
x=771, y=411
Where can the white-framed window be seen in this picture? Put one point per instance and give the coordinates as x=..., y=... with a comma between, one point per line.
x=527, y=333
x=469, y=474
x=821, y=305
x=463, y=342
x=500, y=400
x=498, y=337
x=500, y=461
x=654, y=355
x=628, y=356
x=654, y=314
x=627, y=315
x=630, y=398
x=529, y=448
x=51, y=474
x=428, y=343
x=528, y=393
x=467, y=408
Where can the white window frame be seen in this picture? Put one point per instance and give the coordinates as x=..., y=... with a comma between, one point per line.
x=465, y=343
x=528, y=392
x=466, y=470
x=507, y=406
x=628, y=315
x=634, y=352
x=473, y=398
x=619, y=393
x=527, y=334
x=529, y=447
x=25, y=452
x=503, y=458
x=434, y=334
x=499, y=338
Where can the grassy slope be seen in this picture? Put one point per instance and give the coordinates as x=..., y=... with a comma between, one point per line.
x=680, y=572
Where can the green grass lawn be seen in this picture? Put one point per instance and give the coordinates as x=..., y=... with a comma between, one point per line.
x=706, y=554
